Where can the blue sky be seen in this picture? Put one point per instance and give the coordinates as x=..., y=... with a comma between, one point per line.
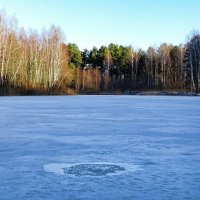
x=89, y=23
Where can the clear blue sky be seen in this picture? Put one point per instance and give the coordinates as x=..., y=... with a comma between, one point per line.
x=89, y=23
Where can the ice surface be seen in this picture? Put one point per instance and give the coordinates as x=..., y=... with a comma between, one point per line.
x=155, y=139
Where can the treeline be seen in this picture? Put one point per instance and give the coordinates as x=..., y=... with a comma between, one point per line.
x=32, y=63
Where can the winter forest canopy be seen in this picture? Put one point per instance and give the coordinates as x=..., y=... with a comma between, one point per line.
x=32, y=63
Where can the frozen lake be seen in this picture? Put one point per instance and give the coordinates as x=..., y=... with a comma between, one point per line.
x=100, y=148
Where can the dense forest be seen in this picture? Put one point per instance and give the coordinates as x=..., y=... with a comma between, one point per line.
x=33, y=63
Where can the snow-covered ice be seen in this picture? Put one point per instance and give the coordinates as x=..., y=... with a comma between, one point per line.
x=100, y=147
